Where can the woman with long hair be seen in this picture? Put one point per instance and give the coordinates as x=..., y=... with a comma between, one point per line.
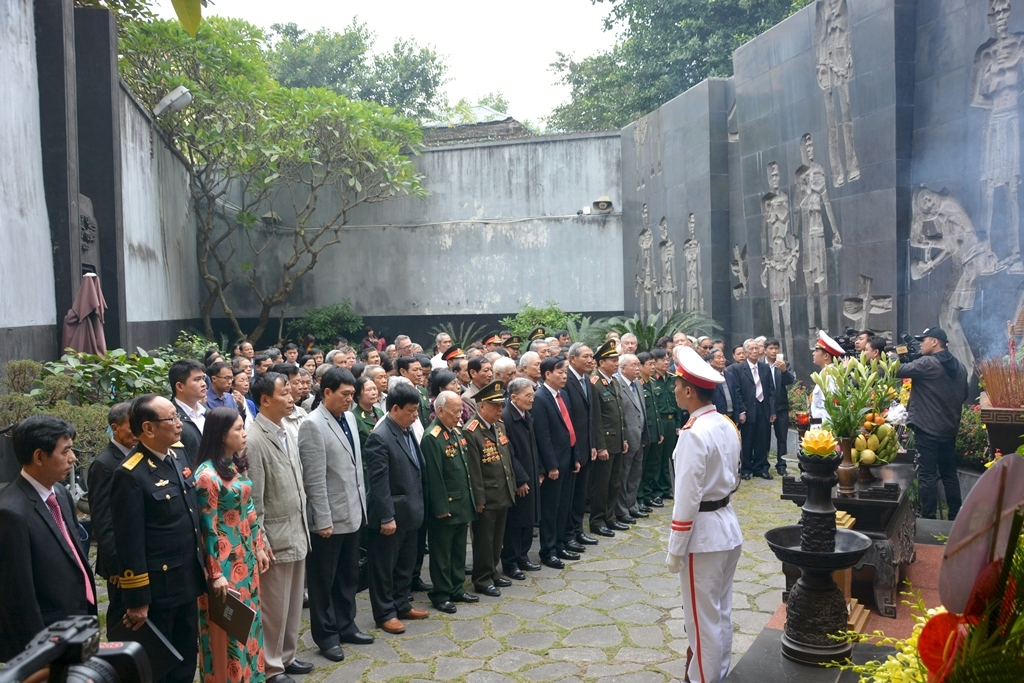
x=234, y=547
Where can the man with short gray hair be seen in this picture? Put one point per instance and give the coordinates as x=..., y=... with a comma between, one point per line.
x=540, y=347
x=403, y=345
x=504, y=369
x=442, y=342
x=529, y=367
x=627, y=344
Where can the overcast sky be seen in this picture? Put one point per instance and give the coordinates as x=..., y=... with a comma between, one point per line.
x=506, y=47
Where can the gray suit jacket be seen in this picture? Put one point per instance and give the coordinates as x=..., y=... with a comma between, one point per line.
x=277, y=491
x=332, y=472
x=634, y=413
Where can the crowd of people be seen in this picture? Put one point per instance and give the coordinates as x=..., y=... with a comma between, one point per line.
x=295, y=476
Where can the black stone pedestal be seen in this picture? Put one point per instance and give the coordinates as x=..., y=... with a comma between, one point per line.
x=763, y=662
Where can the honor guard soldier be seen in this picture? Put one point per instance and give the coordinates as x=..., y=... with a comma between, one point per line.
x=450, y=504
x=155, y=515
x=610, y=442
x=494, y=486
x=826, y=350
x=512, y=345
x=705, y=542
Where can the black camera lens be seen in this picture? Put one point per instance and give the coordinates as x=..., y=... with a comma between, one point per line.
x=93, y=670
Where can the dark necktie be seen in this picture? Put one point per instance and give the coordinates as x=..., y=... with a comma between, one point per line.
x=348, y=432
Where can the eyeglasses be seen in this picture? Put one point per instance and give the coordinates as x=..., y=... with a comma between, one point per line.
x=174, y=418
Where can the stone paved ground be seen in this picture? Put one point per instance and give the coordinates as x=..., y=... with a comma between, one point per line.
x=612, y=616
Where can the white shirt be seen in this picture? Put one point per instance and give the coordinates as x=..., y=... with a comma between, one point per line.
x=707, y=460
x=43, y=492
x=438, y=362
x=197, y=416
x=291, y=422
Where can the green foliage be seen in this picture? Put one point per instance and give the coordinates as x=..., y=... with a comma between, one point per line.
x=408, y=78
x=495, y=100
x=551, y=317
x=118, y=376
x=187, y=345
x=91, y=425
x=587, y=331
x=649, y=331
x=853, y=389
x=20, y=375
x=971, y=448
x=799, y=397
x=463, y=336
x=124, y=11
x=665, y=47
x=328, y=322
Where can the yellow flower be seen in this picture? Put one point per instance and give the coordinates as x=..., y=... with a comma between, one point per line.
x=818, y=442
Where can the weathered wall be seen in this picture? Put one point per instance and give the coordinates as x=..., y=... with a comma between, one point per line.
x=27, y=306
x=161, y=278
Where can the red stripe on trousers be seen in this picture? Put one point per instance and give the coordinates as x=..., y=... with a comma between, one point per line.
x=696, y=626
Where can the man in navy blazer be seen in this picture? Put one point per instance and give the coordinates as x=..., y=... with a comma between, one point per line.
x=758, y=411
x=727, y=397
x=556, y=445
x=44, y=570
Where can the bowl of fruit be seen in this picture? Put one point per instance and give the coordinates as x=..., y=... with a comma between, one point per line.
x=875, y=446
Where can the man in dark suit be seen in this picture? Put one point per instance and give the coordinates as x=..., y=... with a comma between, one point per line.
x=782, y=377
x=101, y=473
x=610, y=442
x=155, y=511
x=556, y=445
x=518, y=419
x=188, y=387
x=582, y=407
x=396, y=480
x=44, y=570
x=634, y=415
x=757, y=411
x=727, y=397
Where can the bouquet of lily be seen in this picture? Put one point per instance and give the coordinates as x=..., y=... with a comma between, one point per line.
x=854, y=388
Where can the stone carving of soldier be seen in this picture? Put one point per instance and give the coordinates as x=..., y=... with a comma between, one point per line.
x=835, y=68
x=996, y=86
x=814, y=207
x=780, y=252
x=668, y=289
x=691, y=256
x=645, y=274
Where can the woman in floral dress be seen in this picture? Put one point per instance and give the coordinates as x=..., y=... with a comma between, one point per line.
x=234, y=547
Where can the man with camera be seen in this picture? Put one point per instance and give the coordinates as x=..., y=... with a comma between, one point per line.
x=937, y=395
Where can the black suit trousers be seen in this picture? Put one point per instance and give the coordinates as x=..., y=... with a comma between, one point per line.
x=180, y=625
x=332, y=576
x=756, y=433
x=580, y=495
x=391, y=560
x=605, y=484
x=555, y=499
x=781, y=429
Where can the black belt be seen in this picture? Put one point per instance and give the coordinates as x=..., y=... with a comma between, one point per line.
x=815, y=421
x=712, y=505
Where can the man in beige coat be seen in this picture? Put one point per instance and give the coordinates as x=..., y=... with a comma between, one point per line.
x=277, y=492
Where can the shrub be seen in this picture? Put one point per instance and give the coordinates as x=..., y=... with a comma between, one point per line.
x=327, y=323
x=466, y=334
x=972, y=440
x=551, y=318
x=91, y=424
x=799, y=397
x=118, y=376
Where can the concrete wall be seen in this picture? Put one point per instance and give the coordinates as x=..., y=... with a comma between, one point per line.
x=162, y=283
x=27, y=306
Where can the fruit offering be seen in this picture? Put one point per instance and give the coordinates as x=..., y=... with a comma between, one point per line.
x=877, y=443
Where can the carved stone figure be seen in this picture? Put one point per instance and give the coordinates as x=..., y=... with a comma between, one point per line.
x=814, y=207
x=780, y=252
x=667, y=290
x=655, y=138
x=691, y=257
x=740, y=270
x=835, y=68
x=860, y=308
x=996, y=86
x=639, y=141
x=942, y=229
x=645, y=270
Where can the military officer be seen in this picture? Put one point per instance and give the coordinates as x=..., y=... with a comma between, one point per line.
x=492, y=342
x=450, y=503
x=650, y=491
x=512, y=345
x=536, y=333
x=610, y=442
x=494, y=487
x=155, y=516
x=452, y=355
x=705, y=541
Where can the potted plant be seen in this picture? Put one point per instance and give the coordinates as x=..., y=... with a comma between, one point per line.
x=800, y=406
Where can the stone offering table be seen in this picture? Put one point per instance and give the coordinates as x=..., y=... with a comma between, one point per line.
x=884, y=514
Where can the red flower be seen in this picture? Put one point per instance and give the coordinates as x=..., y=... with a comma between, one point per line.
x=261, y=664
x=238, y=573
x=223, y=547
x=234, y=671
x=254, y=646
x=232, y=518
x=243, y=594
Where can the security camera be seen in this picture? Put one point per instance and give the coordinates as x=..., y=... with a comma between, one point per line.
x=603, y=205
x=176, y=100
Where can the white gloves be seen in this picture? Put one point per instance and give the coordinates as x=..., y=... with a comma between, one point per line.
x=675, y=563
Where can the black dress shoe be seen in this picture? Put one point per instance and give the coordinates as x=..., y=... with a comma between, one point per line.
x=568, y=555
x=420, y=585
x=448, y=607
x=467, y=597
x=657, y=503
x=747, y=476
x=603, y=531
x=781, y=470
x=619, y=526
x=627, y=519
x=334, y=654
x=553, y=562
x=529, y=567
x=516, y=573
x=492, y=591
x=667, y=496
x=357, y=638
x=575, y=547
x=766, y=475
x=583, y=539
x=641, y=514
x=502, y=582
x=297, y=667
x=281, y=678
x=644, y=508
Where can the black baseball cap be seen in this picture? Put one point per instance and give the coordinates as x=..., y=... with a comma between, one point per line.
x=935, y=333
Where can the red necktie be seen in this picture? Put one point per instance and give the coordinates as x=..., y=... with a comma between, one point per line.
x=51, y=503
x=565, y=418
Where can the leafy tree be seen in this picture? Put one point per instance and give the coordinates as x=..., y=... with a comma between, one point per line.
x=666, y=47
x=250, y=145
x=551, y=317
x=656, y=326
x=495, y=100
x=408, y=79
x=327, y=323
x=123, y=10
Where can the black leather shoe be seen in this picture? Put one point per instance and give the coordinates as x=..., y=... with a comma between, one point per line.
x=467, y=597
x=657, y=503
x=448, y=607
x=502, y=582
x=516, y=573
x=644, y=508
x=568, y=555
x=628, y=519
x=603, y=531
x=641, y=514
x=747, y=476
x=492, y=591
x=575, y=547
x=297, y=667
x=619, y=526
x=667, y=496
x=583, y=539
x=334, y=654
x=281, y=678
x=553, y=562
x=766, y=475
x=781, y=471
x=420, y=585
x=529, y=567
x=357, y=638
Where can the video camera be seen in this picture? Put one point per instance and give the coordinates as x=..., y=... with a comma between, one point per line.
x=72, y=650
x=909, y=349
x=848, y=341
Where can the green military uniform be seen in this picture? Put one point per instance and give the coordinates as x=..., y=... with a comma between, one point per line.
x=653, y=450
x=494, y=487
x=424, y=409
x=606, y=475
x=672, y=418
x=366, y=420
x=449, y=492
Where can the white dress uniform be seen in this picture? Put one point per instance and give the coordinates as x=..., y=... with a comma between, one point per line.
x=831, y=347
x=705, y=546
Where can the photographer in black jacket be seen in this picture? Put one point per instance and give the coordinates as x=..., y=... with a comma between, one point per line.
x=937, y=396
